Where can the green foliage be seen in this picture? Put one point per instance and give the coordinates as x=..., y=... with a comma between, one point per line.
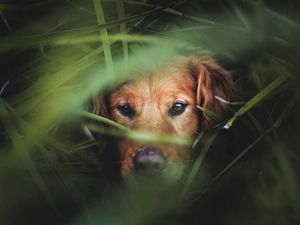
x=56, y=63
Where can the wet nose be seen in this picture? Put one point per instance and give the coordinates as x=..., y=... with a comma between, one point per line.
x=149, y=159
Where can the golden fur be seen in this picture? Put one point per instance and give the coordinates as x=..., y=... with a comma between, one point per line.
x=193, y=80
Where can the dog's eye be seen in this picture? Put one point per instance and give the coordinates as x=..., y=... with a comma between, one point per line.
x=125, y=109
x=177, y=109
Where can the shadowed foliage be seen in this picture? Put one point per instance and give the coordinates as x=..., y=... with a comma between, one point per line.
x=57, y=55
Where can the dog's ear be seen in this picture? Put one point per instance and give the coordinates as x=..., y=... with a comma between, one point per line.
x=98, y=106
x=214, y=85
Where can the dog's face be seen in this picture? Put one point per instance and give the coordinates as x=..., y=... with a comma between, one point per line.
x=164, y=100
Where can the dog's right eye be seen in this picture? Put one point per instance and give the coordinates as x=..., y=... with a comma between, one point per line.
x=125, y=110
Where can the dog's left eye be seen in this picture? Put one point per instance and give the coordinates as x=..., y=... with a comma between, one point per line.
x=177, y=109
x=125, y=109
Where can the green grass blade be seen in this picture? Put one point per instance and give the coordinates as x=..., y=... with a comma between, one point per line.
x=104, y=34
x=123, y=29
x=257, y=98
x=4, y=20
x=36, y=39
x=103, y=120
x=138, y=135
x=235, y=160
x=289, y=106
x=273, y=14
x=210, y=114
x=24, y=152
x=198, y=163
x=111, y=38
x=241, y=16
x=289, y=177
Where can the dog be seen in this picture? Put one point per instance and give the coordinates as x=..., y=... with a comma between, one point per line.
x=165, y=99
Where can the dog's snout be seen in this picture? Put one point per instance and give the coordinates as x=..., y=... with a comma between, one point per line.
x=149, y=159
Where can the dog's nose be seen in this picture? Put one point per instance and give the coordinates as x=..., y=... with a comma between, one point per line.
x=149, y=159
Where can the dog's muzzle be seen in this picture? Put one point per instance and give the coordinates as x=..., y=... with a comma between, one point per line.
x=149, y=159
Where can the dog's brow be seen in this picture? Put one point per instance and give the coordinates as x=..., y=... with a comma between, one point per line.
x=121, y=84
x=125, y=82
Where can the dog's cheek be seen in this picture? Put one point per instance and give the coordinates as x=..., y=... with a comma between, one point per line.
x=187, y=125
x=127, y=151
x=123, y=120
x=183, y=153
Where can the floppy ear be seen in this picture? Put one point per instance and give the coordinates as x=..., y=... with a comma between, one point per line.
x=98, y=106
x=214, y=84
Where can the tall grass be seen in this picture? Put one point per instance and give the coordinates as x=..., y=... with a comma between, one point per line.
x=55, y=67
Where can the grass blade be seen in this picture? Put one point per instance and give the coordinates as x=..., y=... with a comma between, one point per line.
x=104, y=34
x=210, y=114
x=37, y=39
x=138, y=135
x=198, y=163
x=123, y=29
x=23, y=152
x=257, y=98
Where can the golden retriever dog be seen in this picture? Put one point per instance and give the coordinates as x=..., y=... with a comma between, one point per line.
x=164, y=99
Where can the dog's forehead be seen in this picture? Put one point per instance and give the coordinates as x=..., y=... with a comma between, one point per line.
x=165, y=78
x=158, y=86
